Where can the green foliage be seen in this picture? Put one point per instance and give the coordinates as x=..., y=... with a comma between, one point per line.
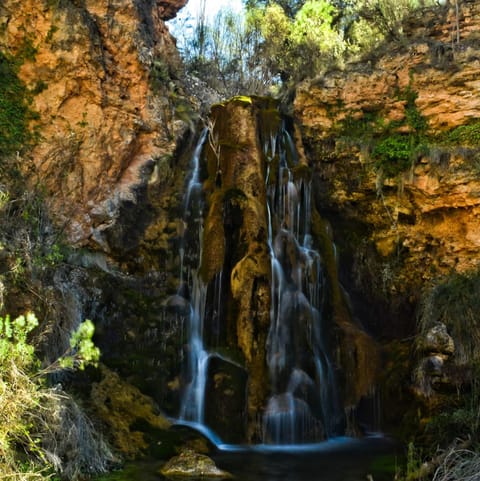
x=290, y=7
x=302, y=46
x=17, y=390
x=15, y=113
x=13, y=339
x=285, y=41
x=393, y=154
x=82, y=349
x=22, y=390
x=414, y=460
x=468, y=135
x=81, y=353
x=394, y=145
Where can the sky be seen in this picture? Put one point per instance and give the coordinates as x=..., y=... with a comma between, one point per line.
x=212, y=7
x=187, y=15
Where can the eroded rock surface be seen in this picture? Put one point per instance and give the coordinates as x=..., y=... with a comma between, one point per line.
x=400, y=231
x=103, y=76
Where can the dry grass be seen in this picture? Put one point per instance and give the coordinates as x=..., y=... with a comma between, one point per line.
x=68, y=439
x=44, y=431
x=18, y=396
x=459, y=465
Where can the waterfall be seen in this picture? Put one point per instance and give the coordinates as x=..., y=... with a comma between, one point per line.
x=303, y=405
x=299, y=382
x=192, y=287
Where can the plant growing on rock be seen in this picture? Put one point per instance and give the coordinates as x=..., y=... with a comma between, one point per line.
x=15, y=113
x=39, y=420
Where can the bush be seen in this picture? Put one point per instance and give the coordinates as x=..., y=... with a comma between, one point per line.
x=43, y=423
x=393, y=154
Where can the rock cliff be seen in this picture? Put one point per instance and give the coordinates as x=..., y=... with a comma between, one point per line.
x=104, y=82
x=418, y=221
x=103, y=77
x=394, y=141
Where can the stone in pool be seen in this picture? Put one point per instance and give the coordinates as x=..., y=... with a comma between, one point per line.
x=189, y=464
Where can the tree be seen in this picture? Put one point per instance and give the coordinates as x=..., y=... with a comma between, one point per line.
x=285, y=41
x=290, y=7
x=295, y=48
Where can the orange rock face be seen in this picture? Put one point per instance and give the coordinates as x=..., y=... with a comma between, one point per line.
x=104, y=120
x=423, y=223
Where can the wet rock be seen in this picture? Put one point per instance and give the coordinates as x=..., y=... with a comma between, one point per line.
x=189, y=464
x=131, y=416
x=437, y=340
x=430, y=374
x=226, y=399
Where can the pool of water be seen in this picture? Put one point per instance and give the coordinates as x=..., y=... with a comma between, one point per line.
x=341, y=459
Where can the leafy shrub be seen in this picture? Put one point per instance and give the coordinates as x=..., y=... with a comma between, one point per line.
x=464, y=135
x=393, y=154
x=30, y=418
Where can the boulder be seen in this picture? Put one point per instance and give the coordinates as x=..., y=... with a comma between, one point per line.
x=189, y=464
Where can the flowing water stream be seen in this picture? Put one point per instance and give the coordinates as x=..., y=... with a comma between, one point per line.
x=303, y=405
x=301, y=384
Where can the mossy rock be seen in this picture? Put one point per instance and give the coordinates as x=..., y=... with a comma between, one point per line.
x=133, y=419
x=189, y=464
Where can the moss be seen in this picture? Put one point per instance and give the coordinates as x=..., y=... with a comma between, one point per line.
x=15, y=113
x=468, y=135
x=302, y=171
x=393, y=145
x=125, y=410
x=242, y=99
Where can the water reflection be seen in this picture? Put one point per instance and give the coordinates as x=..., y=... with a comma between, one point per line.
x=341, y=459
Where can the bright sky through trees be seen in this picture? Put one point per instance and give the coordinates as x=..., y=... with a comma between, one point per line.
x=192, y=8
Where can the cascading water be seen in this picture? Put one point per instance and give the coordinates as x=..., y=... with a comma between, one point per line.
x=301, y=383
x=194, y=290
x=302, y=406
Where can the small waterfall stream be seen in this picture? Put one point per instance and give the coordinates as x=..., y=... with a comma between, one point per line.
x=303, y=405
x=301, y=384
x=192, y=287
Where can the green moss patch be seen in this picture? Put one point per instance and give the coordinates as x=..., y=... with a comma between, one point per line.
x=15, y=113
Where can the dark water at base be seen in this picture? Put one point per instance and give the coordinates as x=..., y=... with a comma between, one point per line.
x=342, y=459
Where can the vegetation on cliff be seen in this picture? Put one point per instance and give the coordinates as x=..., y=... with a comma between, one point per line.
x=15, y=112
x=283, y=42
x=42, y=430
